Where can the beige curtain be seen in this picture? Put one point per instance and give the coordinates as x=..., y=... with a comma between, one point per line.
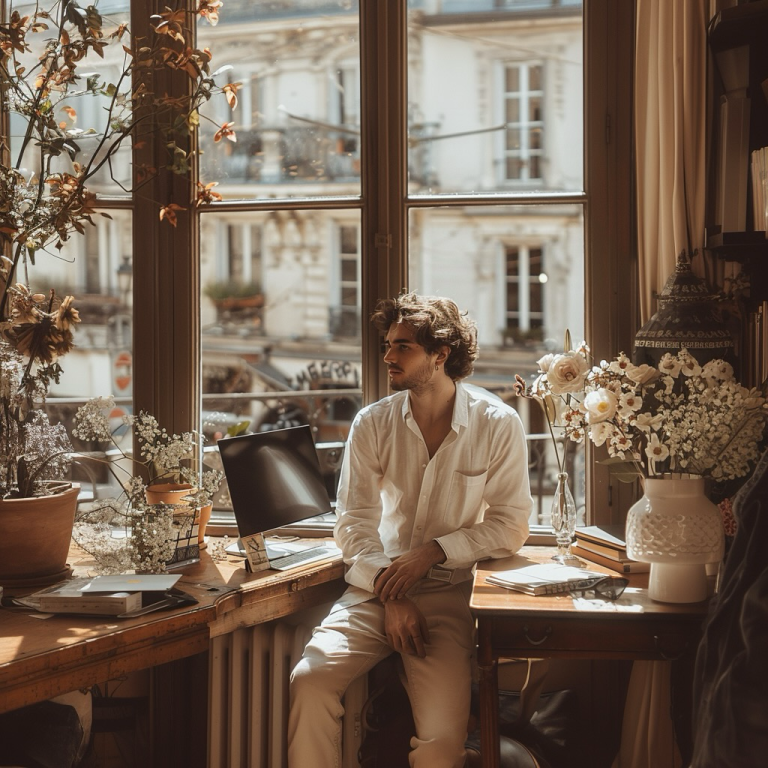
x=647, y=733
x=670, y=122
x=670, y=150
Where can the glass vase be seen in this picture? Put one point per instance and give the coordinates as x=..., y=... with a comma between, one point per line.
x=563, y=519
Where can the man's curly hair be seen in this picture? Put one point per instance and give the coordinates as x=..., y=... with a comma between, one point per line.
x=437, y=322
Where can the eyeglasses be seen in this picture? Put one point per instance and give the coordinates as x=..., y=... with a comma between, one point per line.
x=607, y=587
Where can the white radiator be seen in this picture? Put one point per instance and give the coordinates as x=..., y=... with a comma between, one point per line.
x=248, y=690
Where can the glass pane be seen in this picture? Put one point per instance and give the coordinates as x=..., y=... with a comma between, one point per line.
x=513, y=110
x=535, y=79
x=519, y=272
x=97, y=269
x=513, y=79
x=349, y=270
x=475, y=66
x=513, y=298
x=513, y=138
x=297, y=121
x=82, y=114
x=535, y=109
x=290, y=326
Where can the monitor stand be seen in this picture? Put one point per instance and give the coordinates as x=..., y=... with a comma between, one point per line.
x=255, y=552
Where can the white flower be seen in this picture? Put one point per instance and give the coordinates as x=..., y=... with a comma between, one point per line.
x=567, y=373
x=600, y=405
x=718, y=370
x=642, y=374
x=629, y=403
x=600, y=432
x=545, y=362
x=656, y=450
x=619, y=365
x=645, y=422
x=670, y=365
x=688, y=365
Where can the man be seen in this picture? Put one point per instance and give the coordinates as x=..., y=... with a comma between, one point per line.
x=435, y=478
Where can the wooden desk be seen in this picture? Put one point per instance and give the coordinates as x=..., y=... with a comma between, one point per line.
x=518, y=626
x=44, y=657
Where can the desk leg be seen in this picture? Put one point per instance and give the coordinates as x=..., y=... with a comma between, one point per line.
x=489, y=699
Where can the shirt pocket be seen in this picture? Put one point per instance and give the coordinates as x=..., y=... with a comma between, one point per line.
x=466, y=494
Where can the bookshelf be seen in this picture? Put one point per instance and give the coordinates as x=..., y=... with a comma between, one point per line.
x=738, y=109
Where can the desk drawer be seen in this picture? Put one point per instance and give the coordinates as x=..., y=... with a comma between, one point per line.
x=590, y=638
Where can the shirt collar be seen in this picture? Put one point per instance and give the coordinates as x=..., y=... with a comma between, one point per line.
x=460, y=407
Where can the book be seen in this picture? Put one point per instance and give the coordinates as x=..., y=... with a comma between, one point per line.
x=608, y=535
x=620, y=566
x=68, y=597
x=602, y=549
x=98, y=596
x=544, y=579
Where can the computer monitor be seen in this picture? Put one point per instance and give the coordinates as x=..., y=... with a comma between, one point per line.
x=274, y=479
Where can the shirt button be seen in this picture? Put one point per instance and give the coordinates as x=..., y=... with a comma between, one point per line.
x=419, y=528
x=423, y=466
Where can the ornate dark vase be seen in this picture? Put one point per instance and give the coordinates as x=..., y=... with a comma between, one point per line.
x=687, y=317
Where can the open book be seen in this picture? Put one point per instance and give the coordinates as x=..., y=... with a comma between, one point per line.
x=544, y=579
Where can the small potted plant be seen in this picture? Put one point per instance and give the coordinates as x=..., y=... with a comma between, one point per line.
x=154, y=527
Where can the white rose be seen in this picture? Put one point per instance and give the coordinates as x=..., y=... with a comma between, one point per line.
x=567, y=372
x=600, y=405
x=642, y=374
x=545, y=362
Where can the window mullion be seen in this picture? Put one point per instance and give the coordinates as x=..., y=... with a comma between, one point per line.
x=383, y=47
x=166, y=327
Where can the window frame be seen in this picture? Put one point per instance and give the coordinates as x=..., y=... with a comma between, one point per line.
x=166, y=260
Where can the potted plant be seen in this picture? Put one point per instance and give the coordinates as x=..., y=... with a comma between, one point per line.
x=41, y=208
x=169, y=465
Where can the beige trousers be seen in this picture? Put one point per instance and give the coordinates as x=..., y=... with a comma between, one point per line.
x=350, y=642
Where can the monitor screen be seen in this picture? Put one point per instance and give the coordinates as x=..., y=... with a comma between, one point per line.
x=274, y=479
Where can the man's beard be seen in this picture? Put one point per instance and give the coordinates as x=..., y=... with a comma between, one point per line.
x=416, y=380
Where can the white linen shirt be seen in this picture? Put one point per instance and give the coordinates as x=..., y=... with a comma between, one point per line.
x=472, y=497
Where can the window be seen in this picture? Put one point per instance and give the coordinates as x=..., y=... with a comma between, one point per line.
x=408, y=92
x=524, y=118
x=346, y=317
x=525, y=279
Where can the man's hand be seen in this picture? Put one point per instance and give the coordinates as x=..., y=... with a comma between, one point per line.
x=406, y=627
x=406, y=570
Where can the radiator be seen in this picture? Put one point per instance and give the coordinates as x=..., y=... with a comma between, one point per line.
x=248, y=698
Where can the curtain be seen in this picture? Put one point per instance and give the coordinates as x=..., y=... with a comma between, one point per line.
x=670, y=134
x=670, y=156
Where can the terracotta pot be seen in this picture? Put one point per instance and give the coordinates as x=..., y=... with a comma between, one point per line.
x=204, y=515
x=167, y=493
x=35, y=534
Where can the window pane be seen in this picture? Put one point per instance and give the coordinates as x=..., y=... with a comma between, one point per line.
x=297, y=121
x=477, y=67
x=83, y=116
x=519, y=272
x=289, y=326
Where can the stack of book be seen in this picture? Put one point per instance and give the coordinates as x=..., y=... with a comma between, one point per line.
x=606, y=546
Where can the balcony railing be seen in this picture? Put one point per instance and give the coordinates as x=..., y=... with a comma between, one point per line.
x=294, y=154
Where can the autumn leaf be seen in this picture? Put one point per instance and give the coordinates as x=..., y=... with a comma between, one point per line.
x=225, y=132
x=168, y=213
x=230, y=92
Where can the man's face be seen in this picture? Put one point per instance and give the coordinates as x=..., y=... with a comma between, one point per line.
x=409, y=365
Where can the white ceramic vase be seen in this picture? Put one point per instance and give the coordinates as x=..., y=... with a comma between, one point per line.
x=678, y=530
